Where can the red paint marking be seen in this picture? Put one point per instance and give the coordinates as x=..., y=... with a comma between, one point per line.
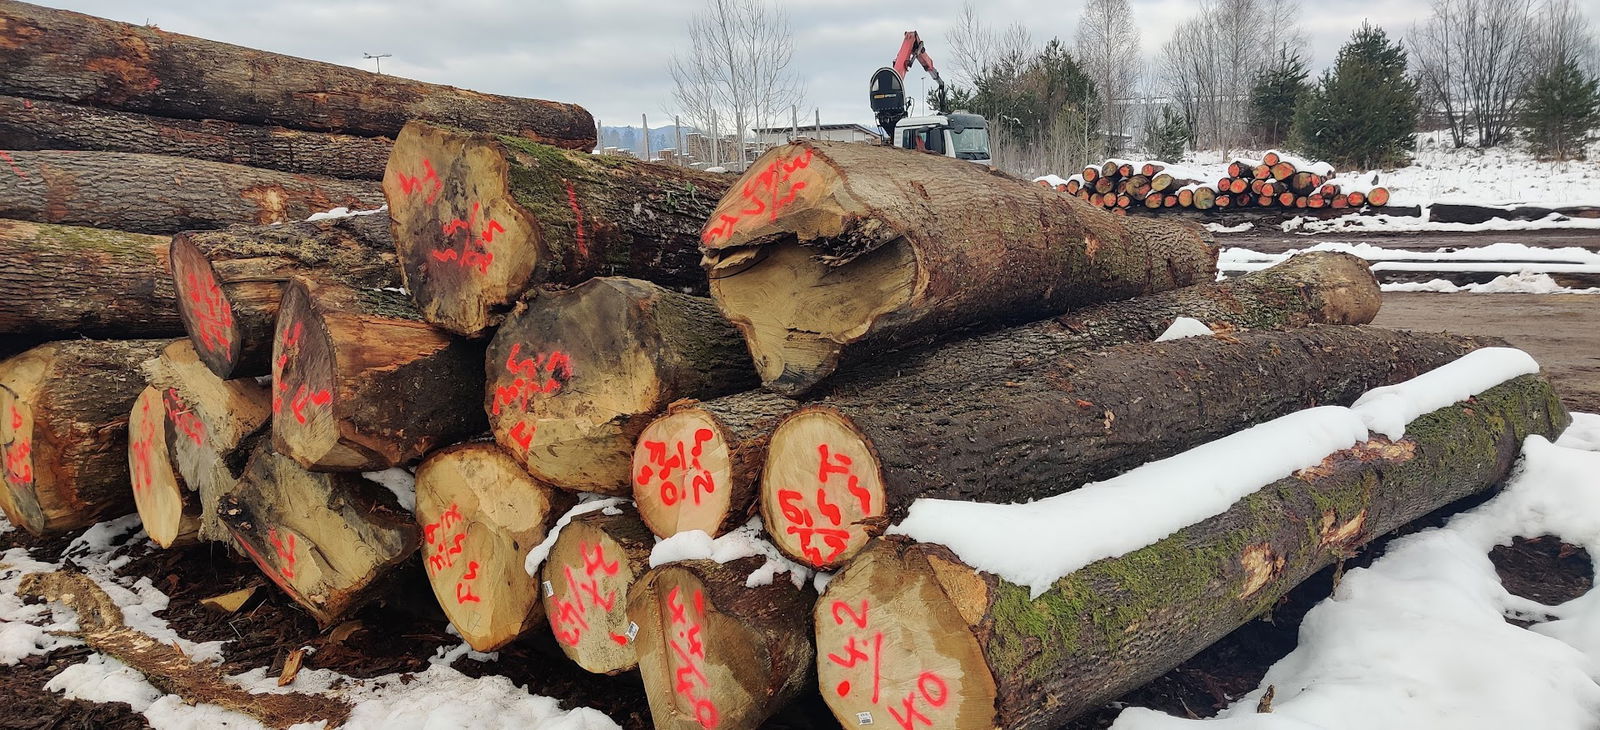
x=184, y=418
x=663, y=462
x=522, y=433
x=689, y=658
x=772, y=190
x=569, y=619
x=474, y=252
x=412, y=183
x=19, y=467
x=143, y=470
x=282, y=374
x=211, y=311
x=577, y=213
x=931, y=688
x=541, y=373
x=803, y=524
x=261, y=562
x=13, y=164
x=442, y=543
x=284, y=549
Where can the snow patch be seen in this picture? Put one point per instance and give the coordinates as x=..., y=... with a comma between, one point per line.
x=1389, y=408
x=746, y=541
x=343, y=212
x=1519, y=283
x=1185, y=327
x=1240, y=228
x=540, y=552
x=401, y=482
x=1416, y=224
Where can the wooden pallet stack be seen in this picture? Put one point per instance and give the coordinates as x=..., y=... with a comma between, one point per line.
x=541, y=363
x=1278, y=180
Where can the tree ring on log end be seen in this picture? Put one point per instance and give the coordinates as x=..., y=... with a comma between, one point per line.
x=157, y=489
x=304, y=388
x=710, y=663
x=204, y=307
x=796, y=311
x=682, y=476
x=821, y=488
x=19, y=499
x=891, y=642
x=585, y=585
x=467, y=248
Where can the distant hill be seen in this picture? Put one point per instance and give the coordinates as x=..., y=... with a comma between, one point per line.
x=629, y=138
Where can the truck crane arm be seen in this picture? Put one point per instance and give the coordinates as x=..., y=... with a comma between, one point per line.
x=912, y=48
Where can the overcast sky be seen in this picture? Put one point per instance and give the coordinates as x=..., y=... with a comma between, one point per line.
x=611, y=55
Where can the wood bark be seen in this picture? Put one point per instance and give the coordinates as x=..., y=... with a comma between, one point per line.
x=171, y=516
x=969, y=649
x=361, y=383
x=1009, y=431
x=80, y=59
x=64, y=410
x=479, y=219
x=229, y=282
x=61, y=281
x=212, y=427
x=592, y=565
x=156, y=194
x=28, y=124
x=574, y=375
x=481, y=514
x=716, y=653
x=1316, y=287
x=829, y=253
x=328, y=540
x=715, y=450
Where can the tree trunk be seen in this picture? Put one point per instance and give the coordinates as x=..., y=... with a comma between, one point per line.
x=171, y=515
x=480, y=219
x=595, y=560
x=716, y=653
x=79, y=59
x=156, y=194
x=63, y=281
x=327, y=540
x=26, y=124
x=574, y=375
x=968, y=649
x=1318, y=287
x=480, y=515
x=64, y=410
x=833, y=252
x=1010, y=431
x=229, y=282
x=361, y=383
x=212, y=426
x=713, y=488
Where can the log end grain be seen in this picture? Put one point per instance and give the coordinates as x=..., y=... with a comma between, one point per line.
x=585, y=583
x=170, y=516
x=821, y=488
x=682, y=475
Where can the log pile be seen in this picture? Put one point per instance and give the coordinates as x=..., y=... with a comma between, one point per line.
x=1277, y=180
x=470, y=390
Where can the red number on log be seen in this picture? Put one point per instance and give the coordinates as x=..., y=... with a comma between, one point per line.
x=412, y=183
x=931, y=689
x=768, y=193
x=19, y=468
x=568, y=618
x=474, y=252
x=143, y=471
x=183, y=417
x=690, y=653
x=284, y=549
x=534, y=375
x=213, y=314
x=522, y=433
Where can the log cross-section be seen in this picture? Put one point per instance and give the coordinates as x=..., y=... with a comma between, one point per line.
x=171, y=516
x=585, y=581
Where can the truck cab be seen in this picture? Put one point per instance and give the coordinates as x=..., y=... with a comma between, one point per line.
x=961, y=135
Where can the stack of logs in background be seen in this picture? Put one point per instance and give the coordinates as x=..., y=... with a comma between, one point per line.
x=533, y=337
x=1277, y=180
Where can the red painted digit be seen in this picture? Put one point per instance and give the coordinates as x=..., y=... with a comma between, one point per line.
x=284, y=549
x=860, y=619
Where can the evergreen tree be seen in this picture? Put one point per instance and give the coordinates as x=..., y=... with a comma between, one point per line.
x=1561, y=110
x=1165, y=139
x=1363, y=111
x=1273, y=96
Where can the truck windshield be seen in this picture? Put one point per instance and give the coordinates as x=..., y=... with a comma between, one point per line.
x=971, y=144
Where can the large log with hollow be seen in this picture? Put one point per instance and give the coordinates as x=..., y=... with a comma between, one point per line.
x=81, y=59
x=962, y=648
x=594, y=562
x=731, y=432
x=1010, y=431
x=212, y=426
x=828, y=253
x=361, y=383
x=479, y=219
x=170, y=515
x=480, y=515
x=157, y=194
x=69, y=280
x=575, y=374
x=229, y=282
x=329, y=541
x=64, y=410
x=28, y=124
x=715, y=652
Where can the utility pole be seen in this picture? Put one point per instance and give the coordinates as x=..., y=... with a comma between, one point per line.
x=677, y=133
x=599, y=136
x=819, y=122
x=645, y=122
x=377, y=59
x=716, y=141
x=794, y=122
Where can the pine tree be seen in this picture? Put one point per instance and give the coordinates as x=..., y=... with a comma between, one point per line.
x=1361, y=113
x=1273, y=96
x=1561, y=111
x=1165, y=139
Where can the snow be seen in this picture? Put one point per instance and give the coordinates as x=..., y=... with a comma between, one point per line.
x=1035, y=544
x=746, y=541
x=1051, y=180
x=1420, y=639
x=1526, y=268
x=399, y=481
x=1220, y=228
x=585, y=505
x=1185, y=327
x=1493, y=252
x=1518, y=283
x=1383, y=222
x=342, y=212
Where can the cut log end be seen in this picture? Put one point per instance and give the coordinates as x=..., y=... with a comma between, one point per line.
x=170, y=517
x=895, y=643
x=480, y=515
x=585, y=583
x=821, y=488
x=682, y=476
x=19, y=498
x=303, y=389
x=205, y=309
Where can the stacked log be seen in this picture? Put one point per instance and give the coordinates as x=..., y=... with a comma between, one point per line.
x=1278, y=180
x=586, y=579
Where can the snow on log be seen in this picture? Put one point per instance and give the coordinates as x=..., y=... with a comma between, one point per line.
x=575, y=374
x=156, y=194
x=81, y=59
x=171, y=516
x=479, y=219
x=593, y=562
x=480, y=515
x=960, y=646
x=361, y=383
x=825, y=254
x=229, y=282
x=67, y=280
x=64, y=410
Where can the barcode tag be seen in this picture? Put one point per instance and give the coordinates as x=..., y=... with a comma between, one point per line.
x=549, y=590
x=863, y=718
x=633, y=630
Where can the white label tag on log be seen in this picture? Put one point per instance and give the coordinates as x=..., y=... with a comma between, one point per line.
x=863, y=718
x=549, y=590
x=633, y=630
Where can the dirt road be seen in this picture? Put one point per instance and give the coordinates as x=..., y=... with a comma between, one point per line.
x=1561, y=331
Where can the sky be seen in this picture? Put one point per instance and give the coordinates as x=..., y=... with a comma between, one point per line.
x=611, y=56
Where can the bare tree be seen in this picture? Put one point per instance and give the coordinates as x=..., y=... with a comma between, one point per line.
x=736, y=68
x=1209, y=64
x=976, y=46
x=1108, y=48
x=1564, y=33
x=1475, y=57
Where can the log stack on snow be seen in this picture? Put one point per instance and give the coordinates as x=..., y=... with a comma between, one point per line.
x=896, y=351
x=1278, y=180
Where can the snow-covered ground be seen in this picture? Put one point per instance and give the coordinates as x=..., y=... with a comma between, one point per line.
x=1522, y=269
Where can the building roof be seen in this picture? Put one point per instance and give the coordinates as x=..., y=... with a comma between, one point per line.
x=828, y=127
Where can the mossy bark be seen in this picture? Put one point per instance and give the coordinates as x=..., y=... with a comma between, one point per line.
x=1121, y=622
x=64, y=281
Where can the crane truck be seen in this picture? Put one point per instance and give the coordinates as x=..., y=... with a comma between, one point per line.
x=958, y=134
